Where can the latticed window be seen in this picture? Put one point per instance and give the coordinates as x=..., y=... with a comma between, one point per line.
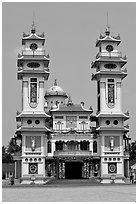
x=111, y=97
x=33, y=90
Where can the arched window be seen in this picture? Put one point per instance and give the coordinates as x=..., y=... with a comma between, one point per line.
x=84, y=145
x=94, y=147
x=59, y=145
x=49, y=147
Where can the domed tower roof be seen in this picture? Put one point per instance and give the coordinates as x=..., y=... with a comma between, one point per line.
x=56, y=91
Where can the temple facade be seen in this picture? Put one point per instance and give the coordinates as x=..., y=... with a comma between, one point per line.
x=64, y=140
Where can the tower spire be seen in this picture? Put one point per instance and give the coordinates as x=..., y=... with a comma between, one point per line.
x=107, y=32
x=33, y=25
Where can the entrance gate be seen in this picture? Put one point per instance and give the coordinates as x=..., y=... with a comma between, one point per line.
x=73, y=170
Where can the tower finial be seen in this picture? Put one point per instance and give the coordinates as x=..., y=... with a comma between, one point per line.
x=107, y=32
x=55, y=82
x=33, y=25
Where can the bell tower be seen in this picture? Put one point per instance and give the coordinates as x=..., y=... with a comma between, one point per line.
x=33, y=71
x=109, y=74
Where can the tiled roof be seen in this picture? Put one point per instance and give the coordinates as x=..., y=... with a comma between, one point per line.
x=71, y=108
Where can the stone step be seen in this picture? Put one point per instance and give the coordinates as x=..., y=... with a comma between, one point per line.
x=71, y=182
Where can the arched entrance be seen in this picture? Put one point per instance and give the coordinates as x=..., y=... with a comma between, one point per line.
x=73, y=170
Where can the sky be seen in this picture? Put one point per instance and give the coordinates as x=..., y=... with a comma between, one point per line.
x=71, y=30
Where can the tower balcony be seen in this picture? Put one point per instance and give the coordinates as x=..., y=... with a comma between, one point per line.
x=109, y=54
x=73, y=153
x=34, y=53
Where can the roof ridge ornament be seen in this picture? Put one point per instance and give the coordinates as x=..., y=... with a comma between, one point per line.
x=69, y=101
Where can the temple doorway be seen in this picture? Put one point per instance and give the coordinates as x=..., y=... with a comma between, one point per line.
x=73, y=170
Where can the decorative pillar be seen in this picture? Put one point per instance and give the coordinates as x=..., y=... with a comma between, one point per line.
x=87, y=170
x=84, y=170
x=91, y=146
x=78, y=145
x=53, y=146
x=91, y=169
x=60, y=170
x=63, y=170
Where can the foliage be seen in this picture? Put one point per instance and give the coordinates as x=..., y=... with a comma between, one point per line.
x=132, y=151
x=9, y=151
x=6, y=157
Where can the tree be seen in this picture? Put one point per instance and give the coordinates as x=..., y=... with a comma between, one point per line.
x=9, y=151
x=133, y=151
x=6, y=157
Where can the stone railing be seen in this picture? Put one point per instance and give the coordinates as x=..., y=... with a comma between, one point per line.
x=109, y=54
x=31, y=52
x=73, y=153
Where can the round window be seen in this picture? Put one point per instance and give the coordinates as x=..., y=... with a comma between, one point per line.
x=105, y=159
x=33, y=46
x=107, y=122
x=110, y=159
x=37, y=122
x=35, y=159
x=115, y=122
x=39, y=159
x=118, y=159
x=26, y=159
x=29, y=122
x=109, y=48
x=31, y=159
x=114, y=159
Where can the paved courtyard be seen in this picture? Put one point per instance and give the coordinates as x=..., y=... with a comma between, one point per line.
x=109, y=193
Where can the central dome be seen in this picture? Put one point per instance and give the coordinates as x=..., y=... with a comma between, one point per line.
x=56, y=89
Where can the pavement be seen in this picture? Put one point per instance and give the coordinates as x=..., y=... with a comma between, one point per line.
x=70, y=191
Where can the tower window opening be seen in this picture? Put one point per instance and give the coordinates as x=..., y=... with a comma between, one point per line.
x=98, y=87
x=98, y=103
x=33, y=90
x=37, y=122
x=107, y=122
x=115, y=122
x=33, y=46
x=111, y=97
x=49, y=147
x=94, y=147
x=29, y=122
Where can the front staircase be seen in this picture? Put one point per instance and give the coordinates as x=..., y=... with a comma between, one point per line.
x=73, y=182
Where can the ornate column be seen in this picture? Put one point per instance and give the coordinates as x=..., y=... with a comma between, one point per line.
x=60, y=170
x=91, y=146
x=53, y=146
x=91, y=169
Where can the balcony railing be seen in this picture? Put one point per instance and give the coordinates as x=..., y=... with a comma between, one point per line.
x=73, y=153
x=35, y=52
x=109, y=54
